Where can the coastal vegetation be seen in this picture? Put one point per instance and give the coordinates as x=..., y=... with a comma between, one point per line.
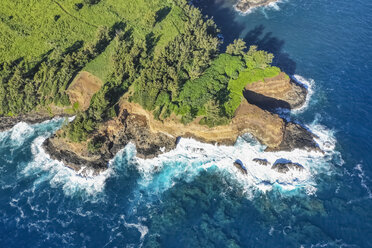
x=163, y=55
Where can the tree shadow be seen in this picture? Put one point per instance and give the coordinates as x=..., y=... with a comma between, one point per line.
x=162, y=14
x=151, y=41
x=225, y=17
x=267, y=42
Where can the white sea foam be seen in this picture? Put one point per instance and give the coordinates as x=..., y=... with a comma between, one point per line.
x=191, y=157
x=363, y=179
x=20, y=132
x=272, y=5
x=142, y=229
x=59, y=175
x=309, y=84
x=56, y=173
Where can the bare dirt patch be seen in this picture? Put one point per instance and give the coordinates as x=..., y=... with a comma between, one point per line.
x=81, y=90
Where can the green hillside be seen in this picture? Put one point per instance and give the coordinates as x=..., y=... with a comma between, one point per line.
x=31, y=28
x=164, y=54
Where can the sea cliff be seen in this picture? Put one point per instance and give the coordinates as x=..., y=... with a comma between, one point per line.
x=153, y=137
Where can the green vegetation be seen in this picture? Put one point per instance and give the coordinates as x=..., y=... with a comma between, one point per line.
x=163, y=54
x=23, y=86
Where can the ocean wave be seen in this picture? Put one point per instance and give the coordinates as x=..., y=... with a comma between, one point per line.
x=338, y=243
x=309, y=84
x=142, y=229
x=363, y=179
x=191, y=157
x=20, y=132
x=45, y=169
x=58, y=175
x=185, y=162
x=359, y=172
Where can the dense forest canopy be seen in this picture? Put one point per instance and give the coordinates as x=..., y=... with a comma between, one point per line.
x=164, y=55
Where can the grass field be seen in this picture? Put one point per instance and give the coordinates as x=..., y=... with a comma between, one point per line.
x=31, y=28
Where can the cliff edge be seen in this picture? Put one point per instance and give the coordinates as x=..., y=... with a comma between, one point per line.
x=153, y=137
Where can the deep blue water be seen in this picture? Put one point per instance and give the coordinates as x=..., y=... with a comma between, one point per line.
x=194, y=197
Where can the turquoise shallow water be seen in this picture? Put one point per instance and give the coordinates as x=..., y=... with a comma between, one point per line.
x=193, y=196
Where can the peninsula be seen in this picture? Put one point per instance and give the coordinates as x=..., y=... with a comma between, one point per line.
x=146, y=78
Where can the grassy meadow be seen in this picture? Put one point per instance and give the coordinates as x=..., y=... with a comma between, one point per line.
x=31, y=28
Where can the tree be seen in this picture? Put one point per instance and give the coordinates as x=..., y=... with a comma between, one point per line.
x=149, y=19
x=258, y=59
x=236, y=48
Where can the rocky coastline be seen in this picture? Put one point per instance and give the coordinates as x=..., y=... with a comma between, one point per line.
x=245, y=6
x=153, y=137
x=7, y=122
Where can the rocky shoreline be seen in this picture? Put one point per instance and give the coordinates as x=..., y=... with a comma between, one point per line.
x=128, y=128
x=245, y=5
x=8, y=122
x=153, y=137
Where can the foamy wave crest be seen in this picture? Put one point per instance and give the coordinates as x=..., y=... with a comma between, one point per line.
x=20, y=132
x=49, y=170
x=272, y=5
x=59, y=175
x=191, y=157
x=309, y=84
x=142, y=229
x=365, y=181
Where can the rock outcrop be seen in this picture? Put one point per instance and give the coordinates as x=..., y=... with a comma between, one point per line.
x=7, y=122
x=153, y=137
x=261, y=161
x=276, y=92
x=240, y=166
x=113, y=136
x=245, y=5
x=296, y=136
x=285, y=167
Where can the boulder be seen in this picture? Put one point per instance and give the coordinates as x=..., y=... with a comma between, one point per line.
x=240, y=166
x=285, y=167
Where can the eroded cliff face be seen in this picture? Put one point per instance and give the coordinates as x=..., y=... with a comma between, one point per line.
x=245, y=5
x=276, y=92
x=113, y=135
x=153, y=137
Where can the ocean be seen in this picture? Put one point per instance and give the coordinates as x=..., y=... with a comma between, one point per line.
x=194, y=196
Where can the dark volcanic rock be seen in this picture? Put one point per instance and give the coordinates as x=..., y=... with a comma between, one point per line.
x=134, y=128
x=7, y=122
x=296, y=136
x=261, y=161
x=240, y=166
x=285, y=167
